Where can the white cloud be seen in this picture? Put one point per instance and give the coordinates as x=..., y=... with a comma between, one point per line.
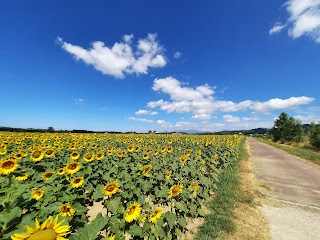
x=120, y=59
x=304, y=19
x=308, y=119
x=231, y=119
x=277, y=104
x=146, y=112
x=201, y=103
x=79, y=101
x=177, y=54
x=277, y=28
x=140, y=119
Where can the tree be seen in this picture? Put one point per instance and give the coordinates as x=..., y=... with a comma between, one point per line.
x=287, y=128
x=314, y=135
x=50, y=129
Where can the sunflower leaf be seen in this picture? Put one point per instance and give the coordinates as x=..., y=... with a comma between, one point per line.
x=135, y=230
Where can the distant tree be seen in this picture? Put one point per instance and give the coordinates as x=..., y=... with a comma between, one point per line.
x=50, y=129
x=287, y=128
x=314, y=135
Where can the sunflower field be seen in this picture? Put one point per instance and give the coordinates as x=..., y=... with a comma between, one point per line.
x=147, y=185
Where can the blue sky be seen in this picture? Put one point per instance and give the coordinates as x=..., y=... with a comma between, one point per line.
x=158, y=65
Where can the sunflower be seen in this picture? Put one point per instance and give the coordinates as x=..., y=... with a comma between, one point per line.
x=156, y=152
x=175, y=190
x=100, y=155
x=130, y=148
x=132, y=212
x=183, y=159
x=37, y=155
x=65, y=210
x=77, y=182
x=61, y=171
x=3, y=150
x=120, y=154
x=194, y=187
x=170, y=149
x=111, y=188
x=47, y=175
x=37, y=194
x=22, y=177
x=8, y=165
x=145, y=156
x=155, y=215
x=49, y=230
x=49, y=153
x=147, y=170
x=109, y=153
x=143, y=218
x=168, y=175
x=74, y=156
x=18, y=156
x=163, y=149
x=88, y=157
x=72, y=167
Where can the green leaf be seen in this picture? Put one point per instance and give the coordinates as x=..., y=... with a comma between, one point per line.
x=182, y=222
x=112, y=205
x=135, y=230
x=171, y=218
x=97, y=194
x=181, y=206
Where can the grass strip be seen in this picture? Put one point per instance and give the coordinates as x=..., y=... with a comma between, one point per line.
x=220, y=218
x=305, y=153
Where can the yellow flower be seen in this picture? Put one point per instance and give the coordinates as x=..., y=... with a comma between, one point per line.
x=72, y=167
x=47, y=175
x=147, y=170
x=49, y=153
x=61, y=171
x=130, y=148
x=49, y=230
x=8, y=165
x=170, y=149
x=155, y=215
x=74, y=156
x=89, y=157
x=143, y=218
x=132, y=212
x=194, y=187
x=37, y=194
x=183, y=159
x=100, y=155
x=77, y=182
x=65, y=210
x=145, y=156
x=168, y=174
x=175, y=190
x=3, y=150
x=37, y=155
x=22, y=178
x=111, y=188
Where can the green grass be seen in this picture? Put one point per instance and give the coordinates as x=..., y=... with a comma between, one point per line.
x=222, y=206
x=302, y=152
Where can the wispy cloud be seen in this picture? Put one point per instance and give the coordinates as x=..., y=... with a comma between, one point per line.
x=79, y=101
x=177, y=54
x=304, y=19
x=146, y=112
x=140, y=119
x=122, y=58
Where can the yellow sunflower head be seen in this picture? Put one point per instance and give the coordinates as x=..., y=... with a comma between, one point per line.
x=132, y=212
x=72, y=167
x=147, y=170
x=49, y=153
x=183, y=159
x=61, y=171
x=74, y=156
x=8, y=165
x=145, y=156
x=194, y=187
x=77, y=182
x=22, y=177
x=49, y=230
x=175, y=190
x=88, y=157
x=3, y=150
x=37, y=155
x=155, y=215
x=65, y=210
x=100, y=155
x=111, y=188
x=168, y=174
x=130, y=148
x=120, y=154
x=37, y=194
x=47, y=175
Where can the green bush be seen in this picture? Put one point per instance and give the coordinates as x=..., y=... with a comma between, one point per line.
x=287, y=129
x=314, y=135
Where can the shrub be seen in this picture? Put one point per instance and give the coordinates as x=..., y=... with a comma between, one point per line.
x=314, y=135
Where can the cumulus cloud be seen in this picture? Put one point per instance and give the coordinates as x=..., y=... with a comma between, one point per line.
x=231, y=119
x=79, y=101
x=279, y=104
x=121, y=58
x=304, y=19
x=140, y=119
x=201, y=103
x=146, y=112
x=177, y=54
x=308, y=119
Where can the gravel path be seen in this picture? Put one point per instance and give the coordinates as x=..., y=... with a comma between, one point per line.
x=296, y=184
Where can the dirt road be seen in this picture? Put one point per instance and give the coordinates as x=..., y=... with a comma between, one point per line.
x=296, y=184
